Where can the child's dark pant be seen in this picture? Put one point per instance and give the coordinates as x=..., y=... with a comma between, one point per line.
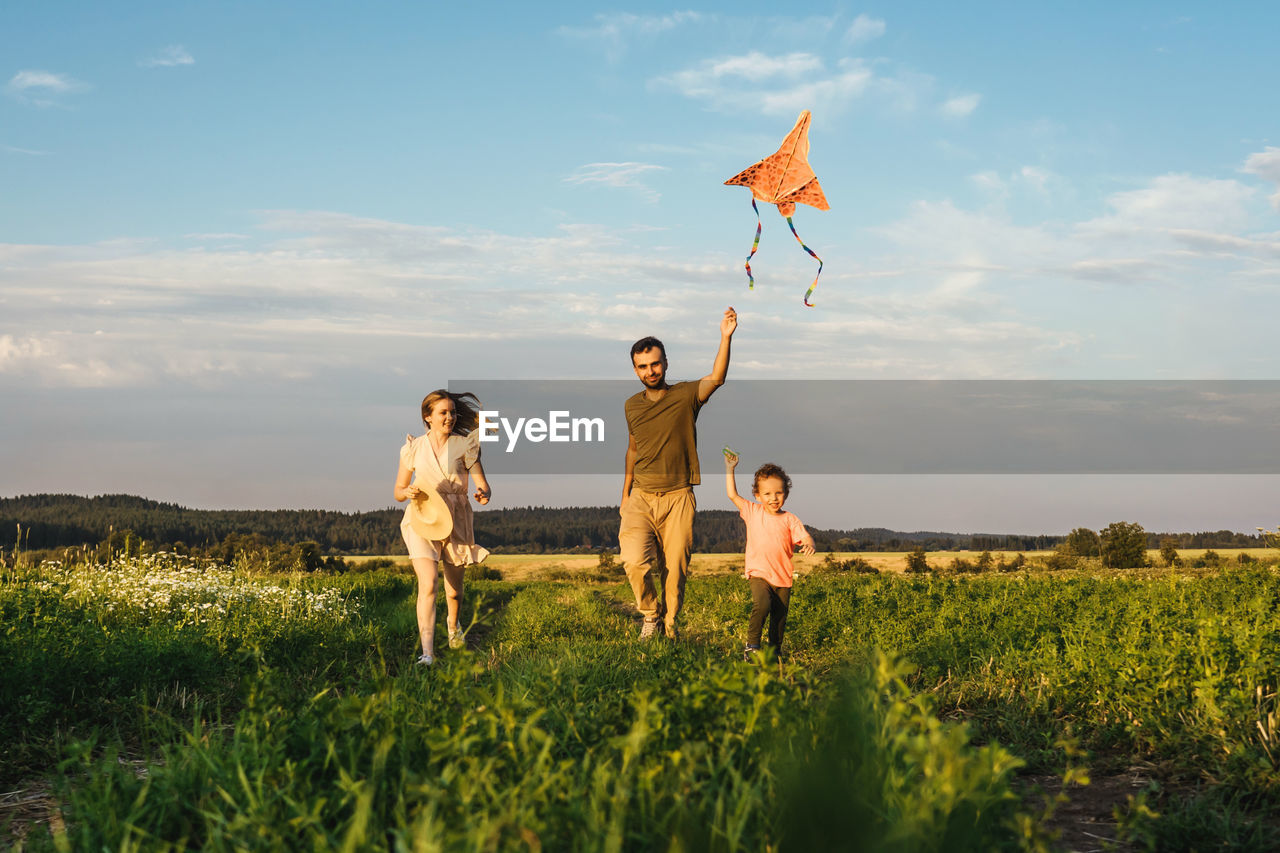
x=772, y=601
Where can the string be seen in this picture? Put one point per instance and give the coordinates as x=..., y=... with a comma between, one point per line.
x=756, y=245
x=808, y=292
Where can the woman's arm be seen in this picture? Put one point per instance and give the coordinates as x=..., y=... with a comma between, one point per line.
x=403, y=491
x=483, y=491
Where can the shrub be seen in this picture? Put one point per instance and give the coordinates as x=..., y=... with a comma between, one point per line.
x=478, y=572
x=1124, y=545
x=1083, y=542
x=1018, y=562
x=917, y=562
x=831, y=565
x=1062, y=559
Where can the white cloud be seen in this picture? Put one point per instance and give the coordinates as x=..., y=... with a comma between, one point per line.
x=614, y=31
x=774, y=85
x=960, y=106
x=1000, y=187
x=1177, y=201
x=626, y=175
x=31, y=152
x=42, y=88
x=218, y=237
x=863, y=29
x=990, y=182
x=1038, y=179
x=1266, y=165
x=754, y=66
x=168, y=57
x=42, y=80
x=941, y=292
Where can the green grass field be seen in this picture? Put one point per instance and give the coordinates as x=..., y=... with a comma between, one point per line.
x=160, y=705
x=538, y=566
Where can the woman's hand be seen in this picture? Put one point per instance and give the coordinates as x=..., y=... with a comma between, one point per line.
x=482, y=496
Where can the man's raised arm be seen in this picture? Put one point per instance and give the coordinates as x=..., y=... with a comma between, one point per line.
x=719, y=370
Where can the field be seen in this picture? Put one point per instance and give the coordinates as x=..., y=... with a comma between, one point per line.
x=156, y=703
x=520, y=567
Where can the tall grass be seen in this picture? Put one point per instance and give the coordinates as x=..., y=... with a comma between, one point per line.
x=296, y=718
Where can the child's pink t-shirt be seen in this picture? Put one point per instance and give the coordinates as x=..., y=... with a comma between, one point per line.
x=771, y=540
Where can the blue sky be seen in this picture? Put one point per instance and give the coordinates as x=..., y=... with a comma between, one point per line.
x=238, y=242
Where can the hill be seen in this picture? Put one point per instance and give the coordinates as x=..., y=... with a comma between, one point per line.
x=59, y=521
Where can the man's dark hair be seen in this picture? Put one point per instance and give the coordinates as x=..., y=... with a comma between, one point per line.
x=646, y=344
x=768, y=470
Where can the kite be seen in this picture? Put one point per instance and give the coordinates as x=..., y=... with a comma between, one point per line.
x=785, y=179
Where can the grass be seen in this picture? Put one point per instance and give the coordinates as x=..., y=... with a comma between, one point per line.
x=522, y=567
x=905, y=711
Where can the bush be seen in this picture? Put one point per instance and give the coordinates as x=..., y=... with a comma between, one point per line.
x=374, y=565
x=858, y=565
x=917, y=562
x=477, y=572
x=1018, y=563
x=1124, y=545
x=1061, y=559
x=1083, y=542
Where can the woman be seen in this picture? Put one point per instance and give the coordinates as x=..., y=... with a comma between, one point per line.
x=438, y=464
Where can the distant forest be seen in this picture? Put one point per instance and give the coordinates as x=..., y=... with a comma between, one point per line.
x=59, y=521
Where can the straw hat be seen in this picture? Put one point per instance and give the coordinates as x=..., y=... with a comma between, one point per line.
x=429, y=516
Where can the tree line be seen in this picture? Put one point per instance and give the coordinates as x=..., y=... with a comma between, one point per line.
x=49, y=521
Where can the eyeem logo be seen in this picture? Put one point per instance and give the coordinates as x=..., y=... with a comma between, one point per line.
x=559, y=426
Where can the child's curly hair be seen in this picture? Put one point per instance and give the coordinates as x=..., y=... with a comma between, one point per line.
x=768, y=470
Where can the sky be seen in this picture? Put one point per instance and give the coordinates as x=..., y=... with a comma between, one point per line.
x=240, y=241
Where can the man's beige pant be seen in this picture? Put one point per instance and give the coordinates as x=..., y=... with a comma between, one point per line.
x=657, y=527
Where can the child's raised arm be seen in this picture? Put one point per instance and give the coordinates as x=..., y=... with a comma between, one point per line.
x=731, y=485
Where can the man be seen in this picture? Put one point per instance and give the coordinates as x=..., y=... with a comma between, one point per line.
x=661, y=471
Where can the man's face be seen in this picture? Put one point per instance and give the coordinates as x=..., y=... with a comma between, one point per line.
x=651, y=367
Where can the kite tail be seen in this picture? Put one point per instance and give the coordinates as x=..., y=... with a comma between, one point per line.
x=808, y=292
x=751, y=280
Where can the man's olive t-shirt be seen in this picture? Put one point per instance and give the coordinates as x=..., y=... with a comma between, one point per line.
x=666, y=438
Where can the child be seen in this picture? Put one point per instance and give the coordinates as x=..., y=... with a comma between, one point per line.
x=772, y=536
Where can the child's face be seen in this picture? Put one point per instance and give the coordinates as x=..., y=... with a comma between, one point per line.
x=770, y=492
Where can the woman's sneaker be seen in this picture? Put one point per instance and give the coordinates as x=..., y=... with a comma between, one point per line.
x=426, y=660
x=456, y=639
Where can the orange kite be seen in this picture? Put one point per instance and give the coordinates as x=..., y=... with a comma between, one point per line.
x=785, y=179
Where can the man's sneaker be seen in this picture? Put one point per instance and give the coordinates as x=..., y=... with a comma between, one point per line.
x=426, y=660
x=456, y=640
x=751, y=653
x=650, y=629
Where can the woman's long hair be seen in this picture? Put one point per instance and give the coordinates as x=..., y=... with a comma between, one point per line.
x=466, y=409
